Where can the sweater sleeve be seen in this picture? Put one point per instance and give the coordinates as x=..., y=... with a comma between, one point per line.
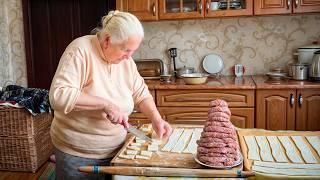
x=68, y=80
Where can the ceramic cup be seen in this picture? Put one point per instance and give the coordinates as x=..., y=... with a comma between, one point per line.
x=214, y=6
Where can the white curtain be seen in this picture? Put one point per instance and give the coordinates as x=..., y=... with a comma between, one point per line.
x=12, y=47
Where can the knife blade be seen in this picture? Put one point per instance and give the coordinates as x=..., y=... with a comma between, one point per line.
x=138, y=133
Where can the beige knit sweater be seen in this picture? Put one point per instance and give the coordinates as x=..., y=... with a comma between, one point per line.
x=83, y=68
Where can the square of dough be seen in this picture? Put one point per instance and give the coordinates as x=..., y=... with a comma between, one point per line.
x=135, y=144
x=129, y=151
x=134, y=148
x=124, y=156
x=152, y=148
x=140, y=141
x=141, y=157
x=146, y=153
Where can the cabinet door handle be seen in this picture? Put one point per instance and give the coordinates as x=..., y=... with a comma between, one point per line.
x=208, y=6
x=291, y=100
x=200, y=6
x=154, y=9
x=300, y=100
x=296, y=3
x=288, y=4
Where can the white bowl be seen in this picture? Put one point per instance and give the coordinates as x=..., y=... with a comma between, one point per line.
x=194, y=78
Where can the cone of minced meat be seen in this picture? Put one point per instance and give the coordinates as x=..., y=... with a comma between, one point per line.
x=217, y=145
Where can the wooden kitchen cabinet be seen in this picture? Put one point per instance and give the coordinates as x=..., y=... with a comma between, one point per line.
x=288, y=109
x=275, y=109
x=151, y=10
x=186, y=9
x=138, y=118
x=191, y=106
x=308, y=110
x=262, y=7
x=145, y=10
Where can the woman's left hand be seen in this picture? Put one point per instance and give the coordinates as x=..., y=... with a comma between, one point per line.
x=162, y=128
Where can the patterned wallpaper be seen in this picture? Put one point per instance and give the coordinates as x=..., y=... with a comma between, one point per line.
x=258, y=43
x=12, y=49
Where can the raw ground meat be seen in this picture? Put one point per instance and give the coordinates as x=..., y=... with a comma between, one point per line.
x=220, y=124
x=229, y=155
x=217, y=144
x=224, y=150
x=211, y=139
x=218, y=115
x=219, y=129
x=218, y=135
x=214, y=160
x=220, y=109
x=218, y=102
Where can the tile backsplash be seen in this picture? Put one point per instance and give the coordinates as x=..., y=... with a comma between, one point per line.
x=258, y=42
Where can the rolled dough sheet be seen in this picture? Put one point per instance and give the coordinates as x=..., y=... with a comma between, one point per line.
x=304, y=149
x=173, y=139
x=291, y=172
x=253, y=151
x=277, y=152
x=287, y=165
x=265, y=151
x=290, y=148
x=192, y=146
x=315, y=143
x=183, y=140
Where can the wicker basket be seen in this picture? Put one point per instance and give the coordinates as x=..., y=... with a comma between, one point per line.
x=25, y=142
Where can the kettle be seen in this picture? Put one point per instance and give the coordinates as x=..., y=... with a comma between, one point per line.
x=315, y=67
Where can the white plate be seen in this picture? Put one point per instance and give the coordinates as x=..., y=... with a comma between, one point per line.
x=212, y=64
x=236, y=163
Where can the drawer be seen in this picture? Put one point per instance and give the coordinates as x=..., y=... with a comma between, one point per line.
x=191, y=98
x=241, y=117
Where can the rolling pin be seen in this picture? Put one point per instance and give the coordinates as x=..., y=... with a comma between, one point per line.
x=160, y=171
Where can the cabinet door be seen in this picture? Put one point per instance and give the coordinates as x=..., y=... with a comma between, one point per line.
x=241, y=117
x=215, y=8
x=308, y=110
x=275, y=109
x=180, y=9
x=302, y=6
x=272, y=7
x=145, y=10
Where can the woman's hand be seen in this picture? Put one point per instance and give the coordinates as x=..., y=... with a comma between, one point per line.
x=162, y=128
x=115, y=115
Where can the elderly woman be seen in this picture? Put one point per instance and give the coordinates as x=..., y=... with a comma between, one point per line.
x=94, y=89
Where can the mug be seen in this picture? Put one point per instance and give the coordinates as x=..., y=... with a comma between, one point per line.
x=214, y=5
x=238, y=70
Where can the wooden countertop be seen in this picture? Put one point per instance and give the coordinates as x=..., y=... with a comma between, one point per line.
x=262, y=82
x=224, y=82
x=231, y=82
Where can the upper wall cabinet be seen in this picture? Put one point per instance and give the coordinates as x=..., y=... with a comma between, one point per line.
x=214, y=8
x=145, y=10
x=262, y=7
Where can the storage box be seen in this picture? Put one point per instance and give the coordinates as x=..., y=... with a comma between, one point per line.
x=25, y=142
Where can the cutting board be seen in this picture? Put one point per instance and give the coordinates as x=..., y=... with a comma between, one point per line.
x=163, y=159
x=260, y=132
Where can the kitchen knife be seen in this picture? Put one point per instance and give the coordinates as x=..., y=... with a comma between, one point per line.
x=138, y=133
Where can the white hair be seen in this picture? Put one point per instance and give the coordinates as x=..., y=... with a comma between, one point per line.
x=120, y=25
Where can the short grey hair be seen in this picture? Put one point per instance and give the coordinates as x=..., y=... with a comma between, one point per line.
x=120, y=25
